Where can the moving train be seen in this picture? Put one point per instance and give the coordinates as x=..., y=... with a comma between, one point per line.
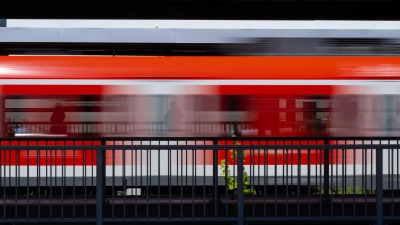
x=101, y=96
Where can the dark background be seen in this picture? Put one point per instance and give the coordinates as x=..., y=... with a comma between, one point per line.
x=202, y=9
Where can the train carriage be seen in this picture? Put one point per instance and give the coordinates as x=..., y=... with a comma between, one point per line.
x=271, y=96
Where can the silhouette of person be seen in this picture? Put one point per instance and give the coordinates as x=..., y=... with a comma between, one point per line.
x=173, y=118
x=319, y=127
x=57, y=120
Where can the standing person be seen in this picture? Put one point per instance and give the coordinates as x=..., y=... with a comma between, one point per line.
x=57, y=120
x=173, y=118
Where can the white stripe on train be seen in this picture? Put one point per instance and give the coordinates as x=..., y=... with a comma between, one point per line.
x=281, y=170
x=167, y=82
x=359, y=87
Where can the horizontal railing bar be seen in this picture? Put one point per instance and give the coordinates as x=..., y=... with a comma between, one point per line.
x=324, y=218
x=205, y=138
x=175, y=220
x=391, y=218
x=47, y=220
x=193, y=147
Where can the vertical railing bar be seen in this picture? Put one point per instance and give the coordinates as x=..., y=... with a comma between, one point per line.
x=252, y=169
x=170, y=181
x=275, y=182
x=354, y=179
x=100, y=180
x=159, y=180
x=265, y=179
x=9, y=173
x=287, y=180
x=365, y=162
x=132, y=165
x=226, y=179
x=215, y=178
x=372, y=166
x=204, y=183
x=240, y=200
x=124, y=180
x=141, y=168
x=84, y=167
x=331, y=178
x=83, y=176
x=388, y=167
x=363, y=165
x=194, y=153
x=38, y=179
x=113, y=184
x=320, y=181
x=379, y=186
x=136, y=168
x=147, y=183
x=259, y=170
x=63, y=181
x=326, y=172
x=337, y=171
x=195, y=169
x=181, y=176
x=150, y=173
x=397, y=169
x=51, y=183
x=345, y=170
x=344, y=161
x=298, y=180
x=392, y=178
x=309, y=181
x=92, y=170
x=47, y=185
x=177, y=173
x=27, y=194
x=16, y=182
x=19, y=172
x=186, y=168
x=73, y=182
x=252, y=178
x=291, y=168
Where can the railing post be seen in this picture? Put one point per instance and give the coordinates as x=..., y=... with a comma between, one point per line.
x=100, y=184
x=379, y=186
x=240, y=199
x=326, y=172
x=215, y=198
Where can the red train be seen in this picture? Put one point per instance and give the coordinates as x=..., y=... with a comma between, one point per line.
x=206, y=96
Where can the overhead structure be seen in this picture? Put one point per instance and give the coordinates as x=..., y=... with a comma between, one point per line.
x=186, y=37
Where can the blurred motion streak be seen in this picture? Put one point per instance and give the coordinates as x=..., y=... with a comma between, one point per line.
x=203, y=97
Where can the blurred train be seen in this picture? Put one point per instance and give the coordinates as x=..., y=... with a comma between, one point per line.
x=194, y=96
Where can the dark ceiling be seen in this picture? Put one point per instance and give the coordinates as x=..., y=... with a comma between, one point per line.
x=268, y=46
x=202, y=9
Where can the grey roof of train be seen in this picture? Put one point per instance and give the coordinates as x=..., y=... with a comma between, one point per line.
x=147, y=35
x=89, y=31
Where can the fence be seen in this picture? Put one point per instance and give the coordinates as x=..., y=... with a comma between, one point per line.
x=199, y=180
x=158, y=127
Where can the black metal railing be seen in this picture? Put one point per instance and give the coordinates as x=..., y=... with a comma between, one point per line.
x=159, y=127
x=170, y=179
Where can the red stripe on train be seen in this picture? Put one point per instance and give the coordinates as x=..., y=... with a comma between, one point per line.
x=52, y=89
x=276, y=89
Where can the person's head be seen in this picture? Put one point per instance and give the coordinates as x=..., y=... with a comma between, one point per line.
x=58, y=105
x=173, y=105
